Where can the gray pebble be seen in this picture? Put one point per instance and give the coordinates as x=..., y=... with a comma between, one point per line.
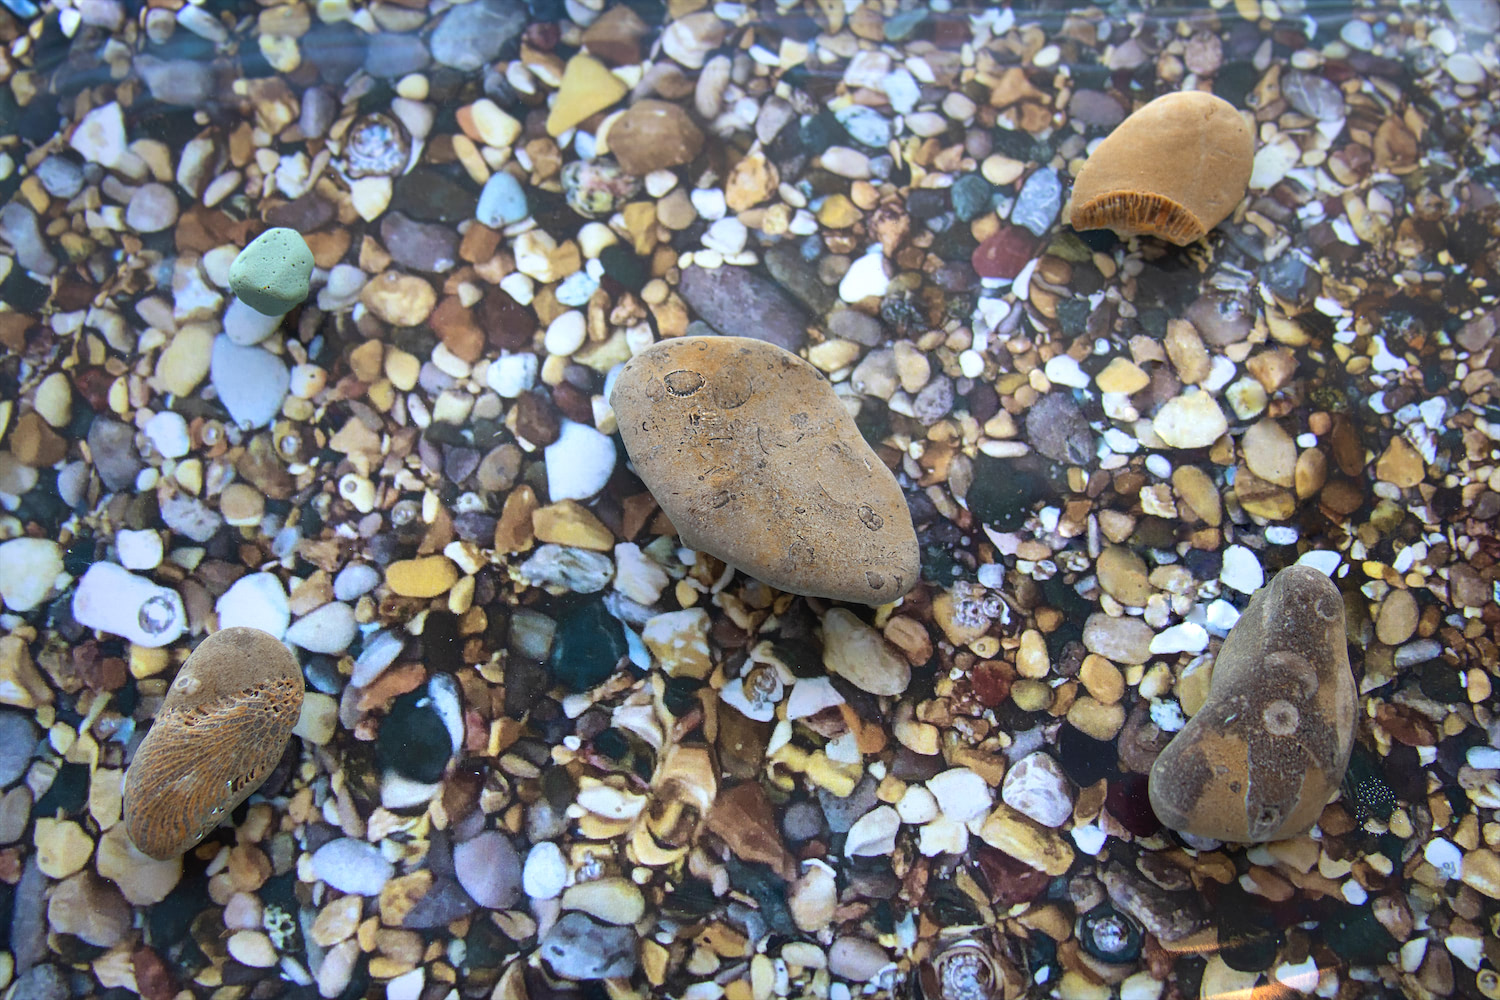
x=576, y=570
x=473, y=34
x=17, y=740
x=842, y=812
x=1058, y=429
x=184, y=82
x=740, y=303
x=15, y=813
x=581, y=948
x=419, y=246
x=489, y=869
x=1039, y=201
x=112, y=445
x=60, y=176
x=190, y=517
x=18, y=227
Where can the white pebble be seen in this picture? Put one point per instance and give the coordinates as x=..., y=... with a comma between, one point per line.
x=1090, y=839
x=354, y=581
x=327, y=629
x=1062, y=369
x=710, y=203
x=868, y=276
x=566, y=333
x=168, y=434
x=1185, y=637
x=545, y=873
x=727, y=236
x=138, y=549
x=112, y=599
x=255, y=601
x=1325, y=560
x=29, y=571
x=1445, y=856
x=1168, y=716
x=1242, y=570
x=873, y=835
x=579, y=462
x=512, y=374
x=917, y=805
x=961, y=793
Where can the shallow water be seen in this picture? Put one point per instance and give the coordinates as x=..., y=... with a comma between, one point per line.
x=542, y=743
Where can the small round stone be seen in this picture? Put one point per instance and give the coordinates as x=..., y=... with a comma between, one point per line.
x=222, y=728
x=271, y=275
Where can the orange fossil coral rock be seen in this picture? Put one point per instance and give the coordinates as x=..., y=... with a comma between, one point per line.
x=1264, y=754
x=1174, y=169
x=223, y=726
x=751, y=454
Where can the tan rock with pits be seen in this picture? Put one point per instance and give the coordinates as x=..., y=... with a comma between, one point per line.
x=1269, y=747
x=752, y=456
x=222, y=728
x=1174, y=169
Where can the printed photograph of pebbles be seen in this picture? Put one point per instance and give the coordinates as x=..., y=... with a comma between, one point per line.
x=749, y=500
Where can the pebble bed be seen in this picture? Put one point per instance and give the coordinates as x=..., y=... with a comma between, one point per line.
x=542, y=744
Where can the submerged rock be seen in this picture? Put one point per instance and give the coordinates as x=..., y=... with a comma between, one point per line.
x=1269, y=747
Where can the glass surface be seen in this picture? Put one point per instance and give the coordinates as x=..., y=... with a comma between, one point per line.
x=546, y=749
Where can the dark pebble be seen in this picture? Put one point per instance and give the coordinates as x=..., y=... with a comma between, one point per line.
x=1005, y=253
x=413, y=741
x=588, y=646
x=1109, y=935
x=740, y=303
x=1057, y=428
x=1084, y=759
x=972, y=197
x=1003, y=492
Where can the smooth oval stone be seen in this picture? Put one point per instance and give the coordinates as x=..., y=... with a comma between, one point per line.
x=221, y=729
x=752, y=456
x=271, y=275
x=1175, y=169
x=1269, y=747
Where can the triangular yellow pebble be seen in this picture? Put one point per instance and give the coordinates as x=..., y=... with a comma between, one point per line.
x=587, y=86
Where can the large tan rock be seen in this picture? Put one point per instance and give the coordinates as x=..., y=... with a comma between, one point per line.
x=752, y=456
x=1175, y=169
x=221, y=729
x=1270, y=745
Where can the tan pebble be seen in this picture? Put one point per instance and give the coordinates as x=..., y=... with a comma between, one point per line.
x=1186, y=351
x=1032, y=659
x=21, y=684
x=1174, y=169
x=1195, y=487
x=1397, y=620
x=223, y=726
x=241, y=504
x=399, y=299
x=755, y=461
x=587, y=86
x=859, y=654
x=1095, y=719
x=1270, y=452
x=513, y=531
x=54, y=399
x=426, y=576
x=1026, y=840
x=612, y=899
x=1031, y=695
x=337, y=921
x=570, y=523
x=1122, y=574
x=1191, y=420
x=1101, y=678
x=1481, y=871
x=1400, y=464
x=184, y=363
x=1269, y=747
x=1122, y=375
x=62, y=847
x=679, y=642
x=654, y=135
x=365, y=360
x=751, y=182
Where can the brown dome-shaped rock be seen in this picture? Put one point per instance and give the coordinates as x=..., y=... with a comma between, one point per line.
x=654, y=135
x=751, y=454
x=1269, y=747
x=222, y=728
x=1174, y=169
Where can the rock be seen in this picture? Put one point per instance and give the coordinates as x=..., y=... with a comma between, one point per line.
x=1191, y=420
x=489, y=869
x=588, y=646
x=1038, y=203
x=1004, y=253
x=419, y=246
x=575, y=570
x=21, y=684
x=18, y=738
x=1270, y=452
x=654, y=135
x=399, y=299
x=546, y=871
x=859, y=654
x=352, y=866
x=90, y=909
x=740, y=303
x=587, y=87
x=256, y=601
x=190, y=517
x=60, y=175
x=1037, y=787
x=581, y=948
x=100, y=136
x=222, y=728
x=471, y=35
x=328, y=629
x=112, y=447
x=1174, y=169
x=152, y=208
x=1269, y=747
x=502, y=201
x=579, y=463
x=612, y=899
x=271, y=274
x=425, y=576
x=857, y=959
x=1057, y=428
x=29, y=568
x=184, y=82
x=244, y=325
x=20, y=229
x=112, y=599
x=741, y=442
x=251, y=382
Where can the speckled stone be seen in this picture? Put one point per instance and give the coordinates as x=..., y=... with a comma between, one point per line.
x=751, y=454
x=223, y=726
x=1265, y=753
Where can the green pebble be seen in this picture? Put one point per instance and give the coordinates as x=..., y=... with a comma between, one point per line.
x=271, y=274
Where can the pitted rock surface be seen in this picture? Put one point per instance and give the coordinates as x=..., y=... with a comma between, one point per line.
x=1263, y=756
x=221, y=729
x=752, y=456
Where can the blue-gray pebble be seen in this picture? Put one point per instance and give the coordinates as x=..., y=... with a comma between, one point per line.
x=502, y=202
x=271, y=275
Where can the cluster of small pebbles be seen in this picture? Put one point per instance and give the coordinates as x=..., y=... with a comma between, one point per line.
x=544, y=742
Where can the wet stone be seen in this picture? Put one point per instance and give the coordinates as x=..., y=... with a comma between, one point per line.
x=1057, y=428
x=112, y=445
x=737, y=302
x=759, y=515
x=421, y=246
x=581, y=948
x=588, y=645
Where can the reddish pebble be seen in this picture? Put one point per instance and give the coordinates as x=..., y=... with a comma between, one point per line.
x=1005, y=253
